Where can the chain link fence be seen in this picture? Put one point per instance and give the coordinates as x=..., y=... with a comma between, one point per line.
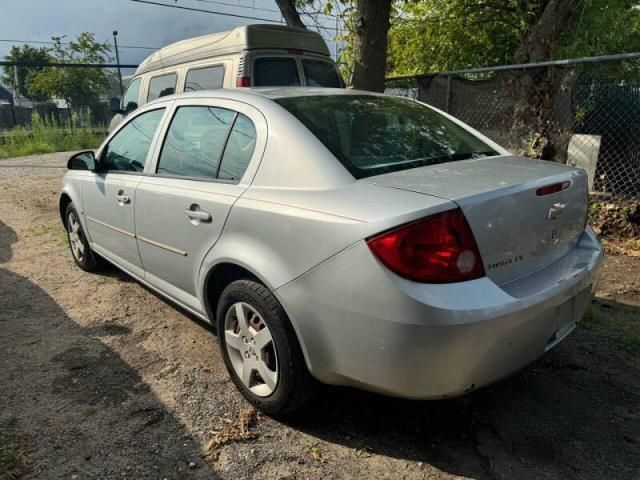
x=32, y=123
x=584, y=112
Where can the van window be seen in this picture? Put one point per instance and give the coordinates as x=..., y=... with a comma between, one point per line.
x=318, y=73
x=162, y=86
x=130, y=99
x=204, y=78
x=195, y=141
x=275, y=72
x=239, y=149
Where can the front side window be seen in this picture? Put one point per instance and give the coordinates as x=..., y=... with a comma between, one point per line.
x=371, y=135
x=162, y=86
x=239, y=149
x=207, y=78
x=127, y=150
x=318, y=73
x=130, y=99
x=195, y=142
x=275, y=72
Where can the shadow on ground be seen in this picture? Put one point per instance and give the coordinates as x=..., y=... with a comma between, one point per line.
x=64, y=388
x=572, y=414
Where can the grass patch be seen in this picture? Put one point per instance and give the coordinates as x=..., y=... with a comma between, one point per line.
x=15, y=448
x=630, y=326
x=591, y=318
x=48, y=135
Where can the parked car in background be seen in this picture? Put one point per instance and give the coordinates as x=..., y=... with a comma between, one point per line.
x=339, y=236
x=248, y=56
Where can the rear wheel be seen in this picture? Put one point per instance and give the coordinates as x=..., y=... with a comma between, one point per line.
x=260, y=349
x=78, y=243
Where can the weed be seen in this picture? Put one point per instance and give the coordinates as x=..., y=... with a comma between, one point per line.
x=15, y=450
x=313, y=450
x=591, y=318
x=238, y=430
x=47, y=135
x=594, y=208
x=89, y=410
x=61, y=239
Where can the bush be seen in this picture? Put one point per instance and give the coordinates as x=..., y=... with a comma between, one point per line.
x=49, y=135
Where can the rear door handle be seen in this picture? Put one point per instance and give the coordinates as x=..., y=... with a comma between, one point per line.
x=122, y=198
x=194, y=213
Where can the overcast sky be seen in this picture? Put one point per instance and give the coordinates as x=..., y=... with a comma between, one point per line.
x=138, y=24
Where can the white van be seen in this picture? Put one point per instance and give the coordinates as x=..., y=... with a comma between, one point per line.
x=253, y=55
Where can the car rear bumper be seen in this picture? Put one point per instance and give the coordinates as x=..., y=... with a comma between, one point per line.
x=361, y=325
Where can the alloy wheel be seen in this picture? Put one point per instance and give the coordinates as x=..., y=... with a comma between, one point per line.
x=76, y=238
x=251, y=349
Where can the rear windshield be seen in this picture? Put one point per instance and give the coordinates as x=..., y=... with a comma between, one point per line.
x=371, y=135
x=318, y=73
x=275, y=72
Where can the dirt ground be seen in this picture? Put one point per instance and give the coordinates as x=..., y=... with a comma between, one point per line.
x=101, y=378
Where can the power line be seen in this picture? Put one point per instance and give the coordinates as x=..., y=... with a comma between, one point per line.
x=225, y=14
x=273, y=10
x=43, y=42
x=70, y=65
x=192, y=9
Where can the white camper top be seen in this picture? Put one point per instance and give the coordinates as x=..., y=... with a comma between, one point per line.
x=234, y=41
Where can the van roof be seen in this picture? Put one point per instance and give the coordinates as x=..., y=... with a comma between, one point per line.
x=234, y=41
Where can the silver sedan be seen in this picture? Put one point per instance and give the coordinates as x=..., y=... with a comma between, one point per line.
x=339, y=237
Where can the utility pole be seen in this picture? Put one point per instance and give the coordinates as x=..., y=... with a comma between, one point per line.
x=115, y=43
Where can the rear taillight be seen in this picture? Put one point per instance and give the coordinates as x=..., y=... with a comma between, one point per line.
x=553, y=188
x=437, y=249
x=243, y=81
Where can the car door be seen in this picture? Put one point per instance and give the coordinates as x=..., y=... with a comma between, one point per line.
x=201, y=169
x=108, y=196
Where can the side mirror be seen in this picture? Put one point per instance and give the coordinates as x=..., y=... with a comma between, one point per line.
x=114, y=105
x=82, y=161
x=130, y=107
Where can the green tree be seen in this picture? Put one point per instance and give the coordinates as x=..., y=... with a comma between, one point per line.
x=431, y=36
x=369, y=26
x=79, y=86
x=24, y=75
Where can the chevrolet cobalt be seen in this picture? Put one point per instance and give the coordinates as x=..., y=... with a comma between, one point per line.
x=340, y=237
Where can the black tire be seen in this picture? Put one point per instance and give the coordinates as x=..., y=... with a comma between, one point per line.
x=295, y=385
x=88, y=261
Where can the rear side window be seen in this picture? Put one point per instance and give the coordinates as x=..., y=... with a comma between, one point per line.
x=195, y=142
x=207, y=78
x=127, y=150
x=239, y=149
x=318, y=73
x=162, y=86
x=371, y=135
x=275, y=72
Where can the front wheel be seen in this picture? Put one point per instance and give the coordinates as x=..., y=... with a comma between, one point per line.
x=78, y=243
x=260, y=349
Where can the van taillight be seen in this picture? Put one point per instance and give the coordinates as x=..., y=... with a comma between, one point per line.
x=244, y=81
x=438, y=249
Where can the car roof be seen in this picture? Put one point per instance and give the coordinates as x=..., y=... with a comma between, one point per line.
x=256, y=93
x=234, y=41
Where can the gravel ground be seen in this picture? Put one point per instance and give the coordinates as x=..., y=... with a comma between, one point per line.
x=101, y=378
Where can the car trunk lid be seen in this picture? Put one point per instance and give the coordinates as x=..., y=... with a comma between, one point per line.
x=518, y=227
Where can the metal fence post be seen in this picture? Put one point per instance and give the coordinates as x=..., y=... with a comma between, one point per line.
x=447, y=101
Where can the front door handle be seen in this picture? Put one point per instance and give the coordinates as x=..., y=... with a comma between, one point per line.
x=122, y=198
x=197, y=215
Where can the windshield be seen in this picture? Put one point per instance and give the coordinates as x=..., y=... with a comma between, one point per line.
x=371, y=135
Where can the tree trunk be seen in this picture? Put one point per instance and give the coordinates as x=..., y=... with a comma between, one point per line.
x=290, y=14
x=537, y=88
x=539, y=42
x=370, y=44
